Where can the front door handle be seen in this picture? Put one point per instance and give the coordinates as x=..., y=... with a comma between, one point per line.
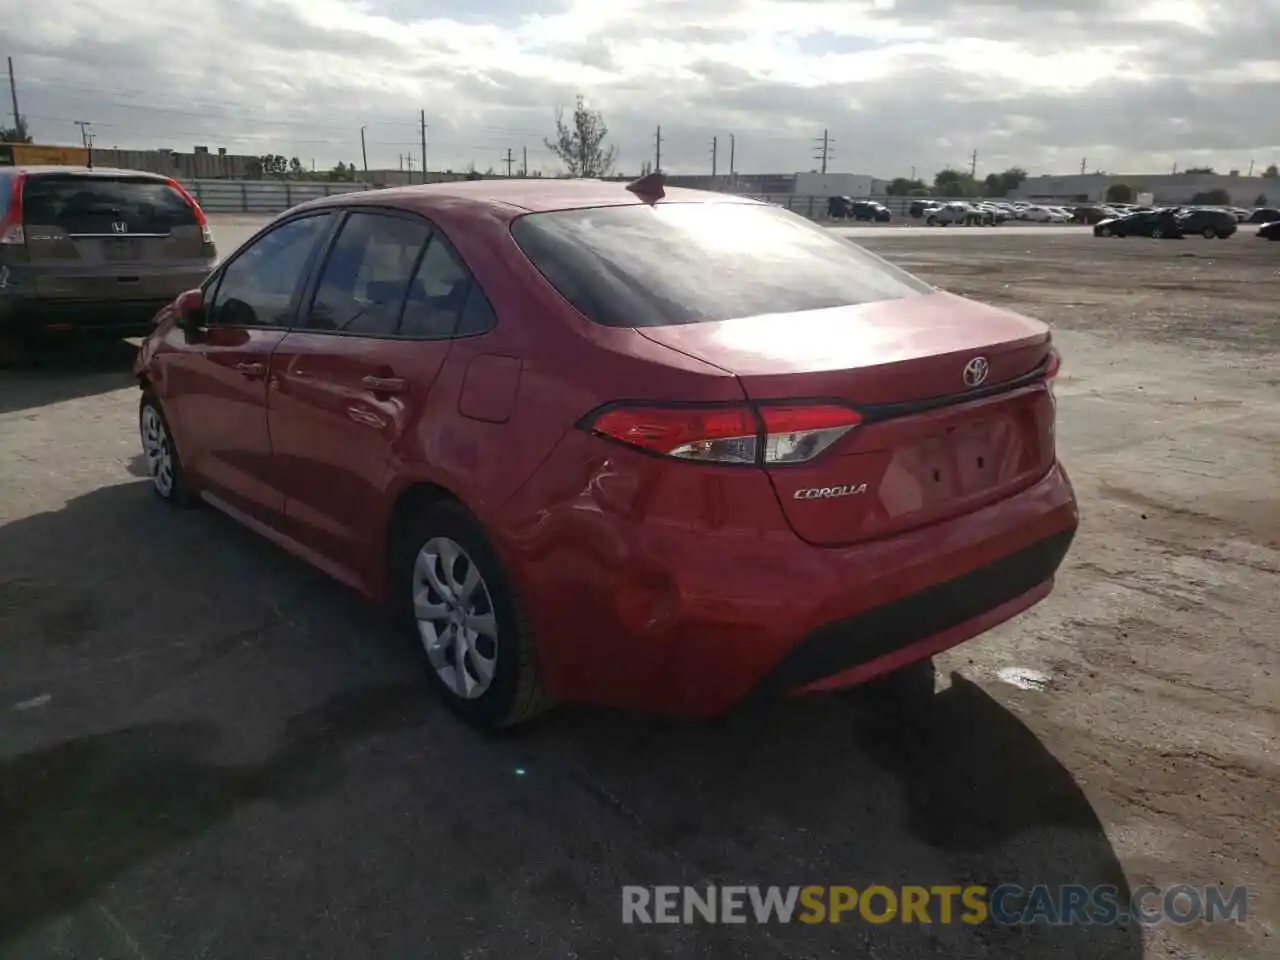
x=385, y=385
x=253, y=371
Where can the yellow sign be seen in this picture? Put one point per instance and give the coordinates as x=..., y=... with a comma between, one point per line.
x=31, y=154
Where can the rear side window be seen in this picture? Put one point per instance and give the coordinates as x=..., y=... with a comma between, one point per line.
x=670, y=263
x=368, y=274
x=99, y=204
x=438, y=296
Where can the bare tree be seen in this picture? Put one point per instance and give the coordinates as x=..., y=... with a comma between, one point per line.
x=580, y=143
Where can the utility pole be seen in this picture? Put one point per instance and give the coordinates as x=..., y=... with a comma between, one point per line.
x=657, y=150
x=13, y=92
x=510, y=160
x=400, y=157
x=422, y=121
x=84, y=126
x=732, y=144
x=824, y=150
x=1250, y=168
x=1083, y=161
x=913, y=173
x=715, y=143
x=973, y=164
x=364, y=153
x=524, y=163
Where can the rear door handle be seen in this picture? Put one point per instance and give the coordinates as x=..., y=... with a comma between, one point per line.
x=251, y=370
x=388, y=385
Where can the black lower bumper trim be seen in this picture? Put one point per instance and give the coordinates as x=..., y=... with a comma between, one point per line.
x=867, y=636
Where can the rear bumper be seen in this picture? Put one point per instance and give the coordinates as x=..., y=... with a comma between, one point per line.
x=60, y=317
x=694, y=621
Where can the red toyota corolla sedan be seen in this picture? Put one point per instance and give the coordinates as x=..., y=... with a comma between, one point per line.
x=614, y=443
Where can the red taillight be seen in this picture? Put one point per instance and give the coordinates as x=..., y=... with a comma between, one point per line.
x=792, y=433
x=206, y=235
x=11, y=232
x=1054, y=364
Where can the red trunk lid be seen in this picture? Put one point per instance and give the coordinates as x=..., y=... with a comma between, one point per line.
x=927, y=450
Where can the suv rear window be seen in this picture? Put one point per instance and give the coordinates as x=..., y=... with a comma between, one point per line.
x=93, y=204
x=670, y=263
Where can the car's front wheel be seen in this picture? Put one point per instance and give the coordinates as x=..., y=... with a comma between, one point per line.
x=164, y=466
x=1208, y=233
x=467, y=619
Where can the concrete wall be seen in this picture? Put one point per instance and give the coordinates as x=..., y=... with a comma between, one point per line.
x=1167, y=188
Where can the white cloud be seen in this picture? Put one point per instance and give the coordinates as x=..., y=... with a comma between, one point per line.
x=899, y=83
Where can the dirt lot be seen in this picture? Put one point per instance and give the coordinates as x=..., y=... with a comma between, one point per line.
x=208, y=751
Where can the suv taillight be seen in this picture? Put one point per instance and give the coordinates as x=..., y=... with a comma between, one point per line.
x=206, y=235
x=764, y=435
x=11, y=232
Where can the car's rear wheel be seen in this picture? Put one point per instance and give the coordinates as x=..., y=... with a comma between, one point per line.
x=467, y=619
x=1208, y=233
x=164, y=465
x=1104, y=231
x=1157, y=233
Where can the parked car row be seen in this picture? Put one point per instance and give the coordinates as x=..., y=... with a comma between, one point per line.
x=1170, y=223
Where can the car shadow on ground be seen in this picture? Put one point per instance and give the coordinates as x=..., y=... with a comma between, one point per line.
x=52, y=374
x=814, y=791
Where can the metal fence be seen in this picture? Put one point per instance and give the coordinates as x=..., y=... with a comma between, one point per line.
x=265, y=197
x=262, y=196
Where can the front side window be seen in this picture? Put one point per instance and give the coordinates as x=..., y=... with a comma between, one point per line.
x=368, y=275
x=258, y=287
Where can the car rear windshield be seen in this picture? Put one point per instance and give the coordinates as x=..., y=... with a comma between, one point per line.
x=98, y=204
x=671, y=263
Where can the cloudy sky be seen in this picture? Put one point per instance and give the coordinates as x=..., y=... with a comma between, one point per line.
x=1125, y=85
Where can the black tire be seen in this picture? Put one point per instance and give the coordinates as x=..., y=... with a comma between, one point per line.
x=177, y=491
x=515, y=694
x=906, y=689
x=931, y=222
x=1208, y=233
x=1224, y=236
x=1105, y=232
x=1157, y=233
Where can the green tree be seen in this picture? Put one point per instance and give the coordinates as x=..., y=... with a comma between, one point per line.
x=1211, y=198
x=1271, y=173
x=1191, y=171
x=903, y=187
x=1002, y=184
x=954, y=183
x=1260, y=200
x=296, y=170
x=1119, y=193
x=580, y=143
x=18, y=133
x=267, y=165
x=342, y=172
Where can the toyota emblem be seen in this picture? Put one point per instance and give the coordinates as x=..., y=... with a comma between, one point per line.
x=975, y=371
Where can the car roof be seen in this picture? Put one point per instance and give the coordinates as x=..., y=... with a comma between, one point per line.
x=39, y=169
x=511, y=198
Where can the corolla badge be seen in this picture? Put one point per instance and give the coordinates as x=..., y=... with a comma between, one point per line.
x=975, y=371
x=830, y=493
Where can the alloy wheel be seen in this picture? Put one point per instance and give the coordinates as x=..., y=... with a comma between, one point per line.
x=455, y=615
x=158, y=451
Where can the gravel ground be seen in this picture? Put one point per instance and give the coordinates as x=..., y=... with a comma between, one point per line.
x=209, y=751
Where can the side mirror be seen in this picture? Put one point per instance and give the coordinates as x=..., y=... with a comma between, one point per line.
x=190, y=310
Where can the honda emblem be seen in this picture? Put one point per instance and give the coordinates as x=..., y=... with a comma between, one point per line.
x=119, y=227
